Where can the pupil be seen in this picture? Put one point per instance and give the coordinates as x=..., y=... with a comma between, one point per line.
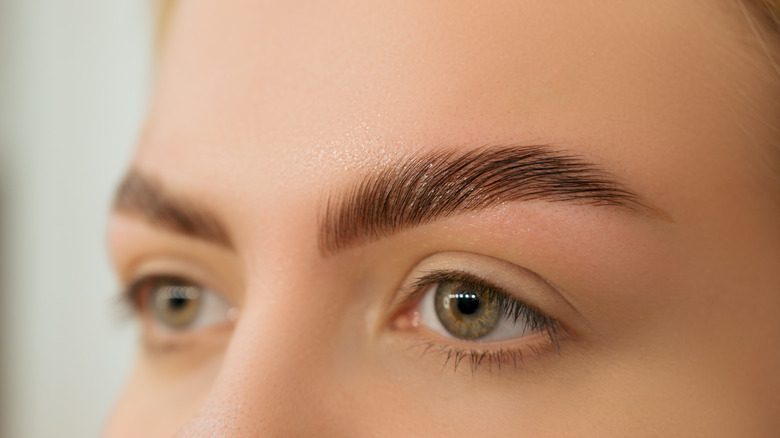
x=468, y=304
x=177, y=303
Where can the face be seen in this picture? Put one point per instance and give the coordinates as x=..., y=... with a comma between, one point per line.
x=448, y=219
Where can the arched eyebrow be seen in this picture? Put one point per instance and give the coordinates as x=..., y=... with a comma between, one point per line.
x=143, y=196
x=419, y=190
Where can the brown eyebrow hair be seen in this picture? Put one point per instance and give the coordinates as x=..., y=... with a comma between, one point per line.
x=416, y=191
x=144, y=196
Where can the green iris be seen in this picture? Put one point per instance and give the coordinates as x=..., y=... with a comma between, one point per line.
x=467, y=311
x=175, y=305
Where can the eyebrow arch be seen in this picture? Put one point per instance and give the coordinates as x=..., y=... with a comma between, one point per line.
x=143, y=196
x=418, y=190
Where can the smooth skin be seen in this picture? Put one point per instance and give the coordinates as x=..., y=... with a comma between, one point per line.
x=264, y=109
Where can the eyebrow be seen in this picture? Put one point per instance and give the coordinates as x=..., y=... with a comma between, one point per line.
x=419, y=190
x=144, y=196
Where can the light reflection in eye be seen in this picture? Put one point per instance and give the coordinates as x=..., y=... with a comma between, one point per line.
x=462, y=306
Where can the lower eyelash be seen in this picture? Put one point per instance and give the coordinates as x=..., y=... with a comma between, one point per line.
x=494, y=359
x=478, y=355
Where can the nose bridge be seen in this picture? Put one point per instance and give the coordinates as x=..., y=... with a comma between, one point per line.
x=272, y=380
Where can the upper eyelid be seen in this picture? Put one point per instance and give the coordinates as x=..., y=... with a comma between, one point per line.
x=133, y=288
x=510, y=278
x=442, y=275
x=170, y=263
x=431, y=277
x=216, y=275
x=137, y=249
x=408, y=295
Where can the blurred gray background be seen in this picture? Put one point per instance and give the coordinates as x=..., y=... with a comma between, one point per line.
x=74, y=76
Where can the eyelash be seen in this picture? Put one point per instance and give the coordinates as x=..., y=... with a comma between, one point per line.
x=510, y=308
x=475, y=355
x=131, y=297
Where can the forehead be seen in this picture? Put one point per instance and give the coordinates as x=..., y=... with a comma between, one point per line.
x=302, y=96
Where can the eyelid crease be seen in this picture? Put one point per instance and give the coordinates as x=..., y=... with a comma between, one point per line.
x=443, y=275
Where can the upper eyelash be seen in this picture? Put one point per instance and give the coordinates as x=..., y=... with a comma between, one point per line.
x=511, y=308
x=129, y=296
x=127, y=301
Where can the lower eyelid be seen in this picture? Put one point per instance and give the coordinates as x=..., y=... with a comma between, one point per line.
x=161, y=343
x=215, y=272
x=158, y=340
x=477, y=356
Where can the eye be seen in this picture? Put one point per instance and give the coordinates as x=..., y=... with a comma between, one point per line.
x=462, y=306
x=173, y=304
